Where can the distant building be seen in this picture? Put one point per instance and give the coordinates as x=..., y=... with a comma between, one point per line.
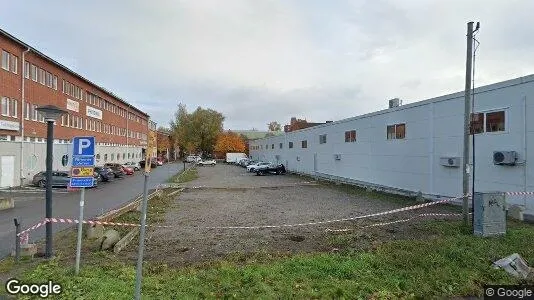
x=297, y=124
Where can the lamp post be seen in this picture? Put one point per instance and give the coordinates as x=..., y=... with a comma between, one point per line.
x=50, y=113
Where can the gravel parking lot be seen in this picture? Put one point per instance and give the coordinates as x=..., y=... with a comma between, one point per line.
x=226, y=195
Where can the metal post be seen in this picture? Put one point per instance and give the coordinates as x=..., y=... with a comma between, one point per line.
x=80, y=229
x=467, y=122
x=49, y=150
x=139, y=272
x=17, y=240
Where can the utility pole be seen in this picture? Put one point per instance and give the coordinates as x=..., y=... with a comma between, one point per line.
x=467, y=122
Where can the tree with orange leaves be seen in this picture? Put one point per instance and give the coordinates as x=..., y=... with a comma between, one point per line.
x=229, y=142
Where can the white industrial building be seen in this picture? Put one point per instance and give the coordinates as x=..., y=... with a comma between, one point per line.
x=418, y=147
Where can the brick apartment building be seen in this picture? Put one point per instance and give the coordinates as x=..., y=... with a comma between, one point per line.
x=297, y=124
x=29, y=79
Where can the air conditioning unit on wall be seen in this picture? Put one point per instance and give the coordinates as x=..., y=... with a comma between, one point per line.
x=450, y=161
x=504, y=158
x=337, y=156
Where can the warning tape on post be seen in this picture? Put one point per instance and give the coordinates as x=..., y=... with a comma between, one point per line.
x=398, y=210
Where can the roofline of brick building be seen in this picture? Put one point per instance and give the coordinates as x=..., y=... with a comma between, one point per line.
x=44, y=56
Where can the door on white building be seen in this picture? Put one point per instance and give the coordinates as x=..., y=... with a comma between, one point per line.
x=7, y=178
x=314, y=162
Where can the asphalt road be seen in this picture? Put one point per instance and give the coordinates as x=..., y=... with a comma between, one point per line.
x=30, y=205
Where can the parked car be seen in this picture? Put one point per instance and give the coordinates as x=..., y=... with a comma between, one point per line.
x=133, y=165
x=254, y=167
x=209, y=162
x=192, y=159
x=242, y=161
x=117, y=169
x=245, y=162
x=153, y=163
x=271, y=168
x=59, y=179
x=128, y=170
x=159, y=161
x=105, y=173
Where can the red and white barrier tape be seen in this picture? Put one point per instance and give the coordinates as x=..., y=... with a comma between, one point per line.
x=408, y=208
x=395, y=222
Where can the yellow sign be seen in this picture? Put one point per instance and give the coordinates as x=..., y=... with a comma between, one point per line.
x=82, y=172
x=151, y=149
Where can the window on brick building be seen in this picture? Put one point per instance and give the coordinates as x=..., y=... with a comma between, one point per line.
x=5, y=60
x=27, y=111
x=9, y=107
x=26, y=69
x=33, y=72
x=35, y=113
x=5, y=106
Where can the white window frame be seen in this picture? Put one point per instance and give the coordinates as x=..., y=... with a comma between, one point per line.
x=506, y=122
x=14, y=63
x=14, y=111
x=4, y=109
x=27, y=111
x=27, y=69
x=5, y=60
x=33, y=72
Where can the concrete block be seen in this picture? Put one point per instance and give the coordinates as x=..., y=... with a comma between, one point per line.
x=110, y=238
x=6, y=203
x=126, y=240
x=94, y=231
x=516, y=212
x=27, y=250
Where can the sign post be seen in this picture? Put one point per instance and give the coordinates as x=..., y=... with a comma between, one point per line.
x=148, y=161
x=82, y=170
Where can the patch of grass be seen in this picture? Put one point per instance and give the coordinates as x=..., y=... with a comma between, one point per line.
x=185, y=176
x=7, y=264
x=455, y=264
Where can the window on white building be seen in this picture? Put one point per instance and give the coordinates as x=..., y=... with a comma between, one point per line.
x=350, y=136
x=396, y=132
x=322, y=139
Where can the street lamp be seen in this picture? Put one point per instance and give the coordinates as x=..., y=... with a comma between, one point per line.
x=50, y=113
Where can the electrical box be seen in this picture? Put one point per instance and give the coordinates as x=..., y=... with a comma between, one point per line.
x=337, y=156
x=504, y=157
x=395, y=103
x=489, y=217
x=450, y=161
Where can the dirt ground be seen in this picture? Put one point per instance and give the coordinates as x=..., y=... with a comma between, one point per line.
x=226, y=195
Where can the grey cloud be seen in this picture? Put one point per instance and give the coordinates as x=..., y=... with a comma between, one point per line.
x=258, y=61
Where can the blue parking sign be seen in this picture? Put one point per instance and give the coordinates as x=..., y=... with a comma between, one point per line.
x=83, y=145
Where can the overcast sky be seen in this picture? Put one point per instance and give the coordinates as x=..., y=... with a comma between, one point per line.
x=262, y=60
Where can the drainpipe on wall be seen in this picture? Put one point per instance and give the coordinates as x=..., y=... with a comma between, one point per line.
x=22, y=116
x=525, y=149
x=127, y=132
